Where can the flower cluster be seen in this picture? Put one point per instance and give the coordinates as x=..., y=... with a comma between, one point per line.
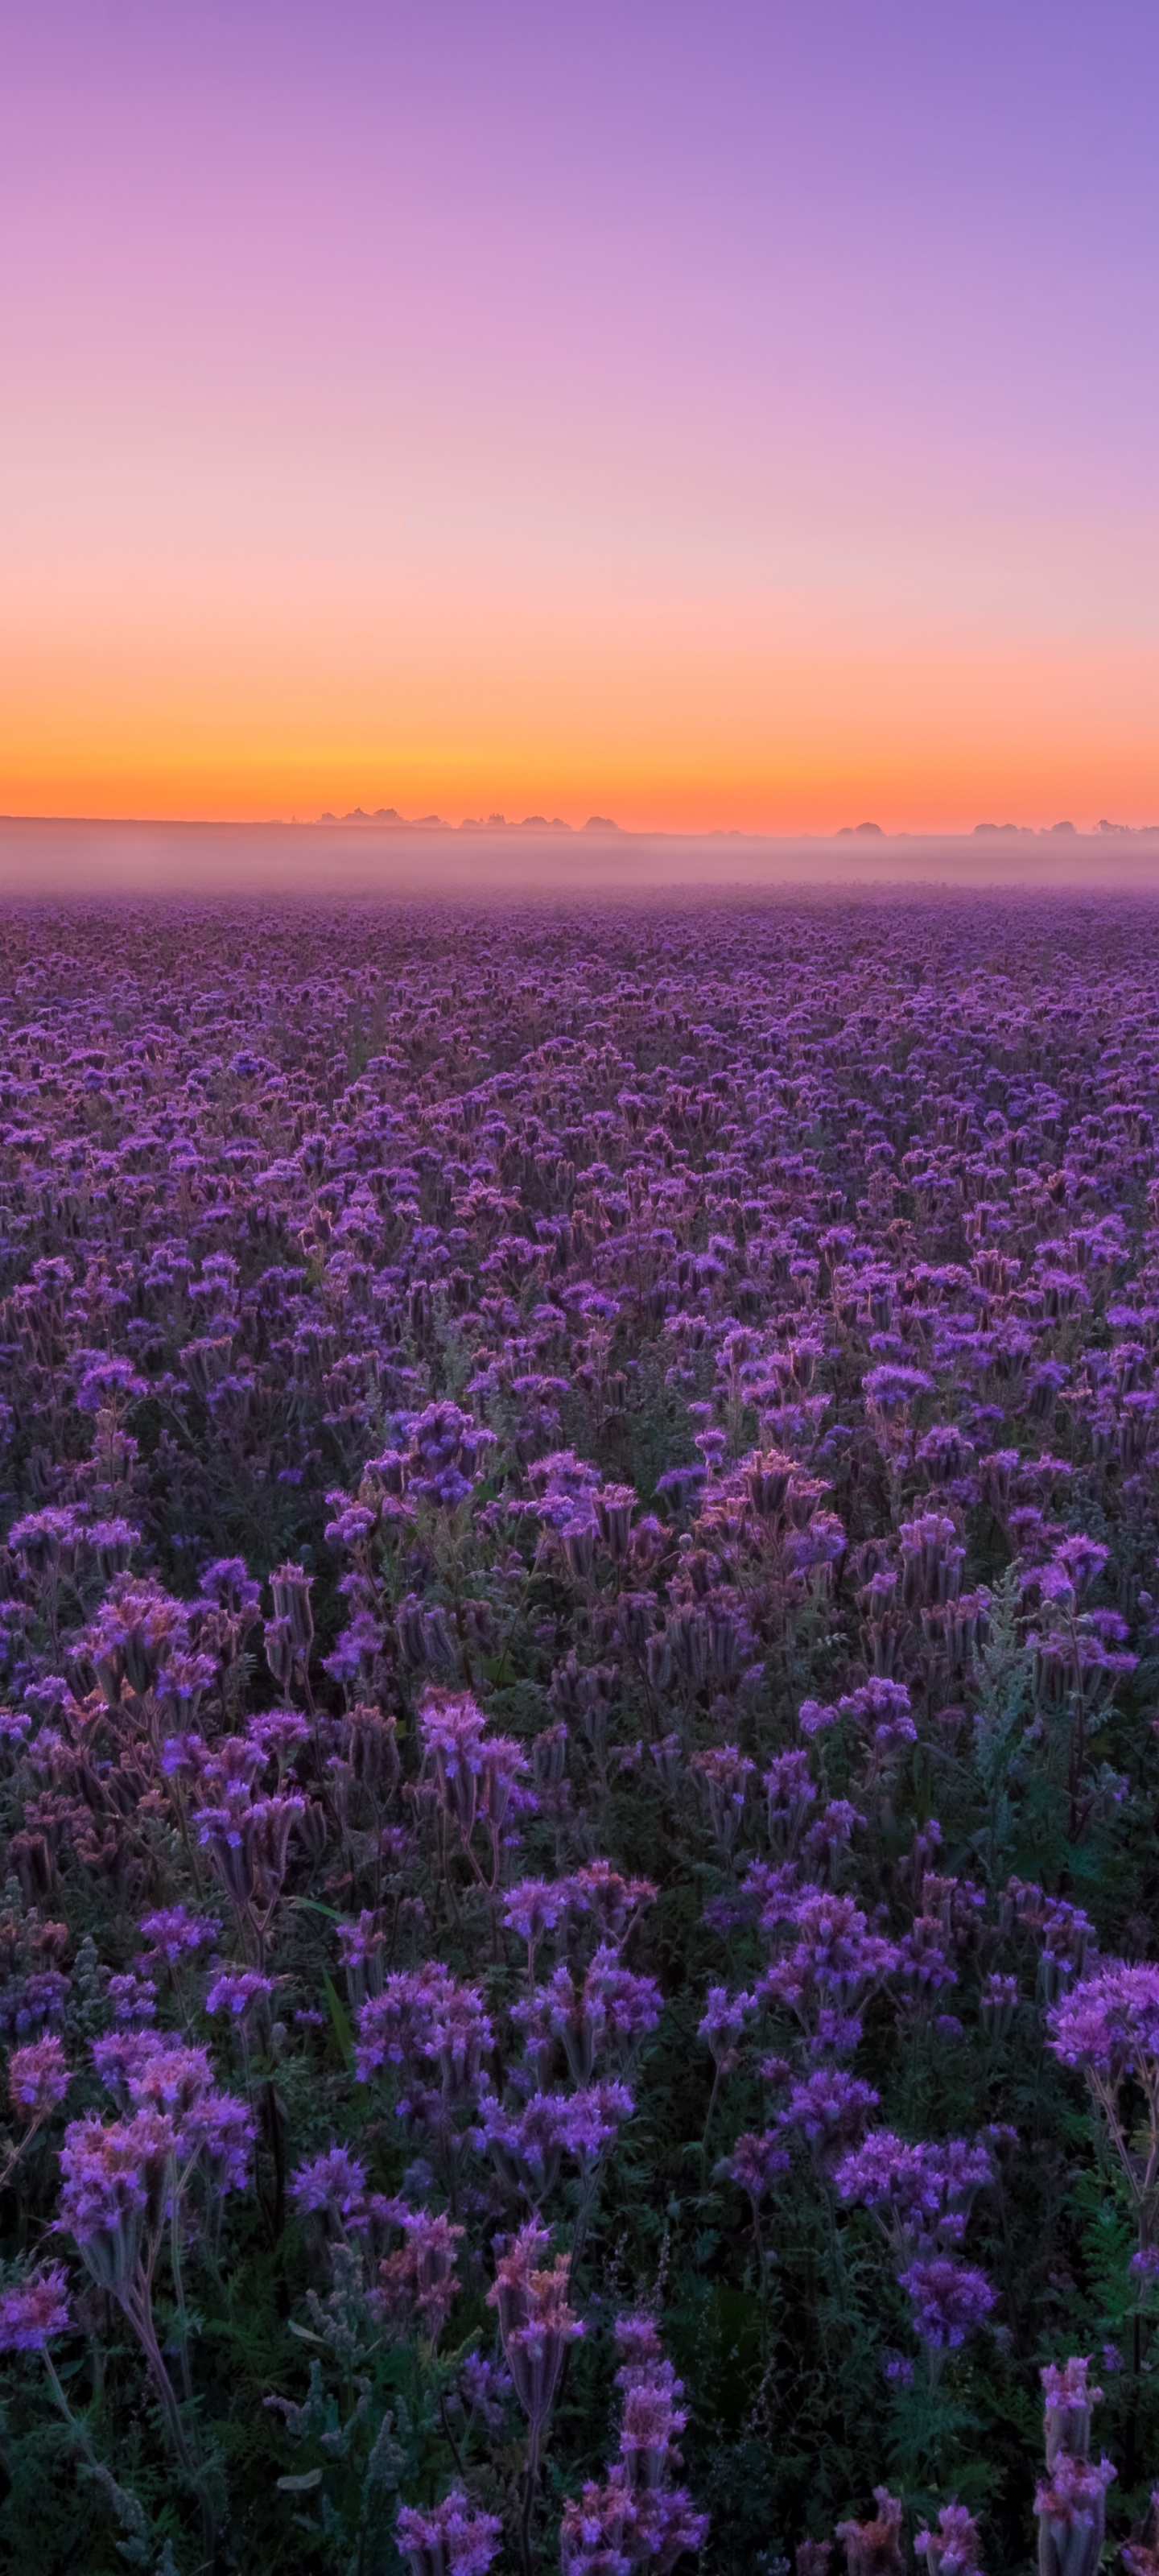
x=686, y=1386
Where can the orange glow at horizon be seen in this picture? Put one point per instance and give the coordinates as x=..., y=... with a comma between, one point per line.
x=584, y=452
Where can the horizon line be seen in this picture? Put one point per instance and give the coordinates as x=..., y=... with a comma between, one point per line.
x=388, y=824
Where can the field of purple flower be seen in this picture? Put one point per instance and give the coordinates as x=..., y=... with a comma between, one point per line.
x=578, y=1778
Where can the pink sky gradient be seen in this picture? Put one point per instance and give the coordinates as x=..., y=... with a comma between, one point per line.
x=734, y=416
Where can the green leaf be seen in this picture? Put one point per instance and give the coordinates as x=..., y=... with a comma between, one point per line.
x=301, y=2485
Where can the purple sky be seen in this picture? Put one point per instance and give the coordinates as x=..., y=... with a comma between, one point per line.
x=742, y=414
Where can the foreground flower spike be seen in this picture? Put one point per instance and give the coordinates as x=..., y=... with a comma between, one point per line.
x=874, y=2548
x=636, y=2518
x=34, y=2309
x=38, y=2080
x=455, y=2539
x=1068, y=2403
x=1071, y=2500
x=1141, y=2558
x=954, y=2549
x=535, y=2321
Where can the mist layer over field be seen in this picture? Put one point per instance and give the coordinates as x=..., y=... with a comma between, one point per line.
x=329, y=862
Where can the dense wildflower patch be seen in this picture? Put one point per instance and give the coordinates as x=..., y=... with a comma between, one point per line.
x=579, y=1981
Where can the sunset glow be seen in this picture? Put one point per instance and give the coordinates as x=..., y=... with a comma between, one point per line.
x=743, y=420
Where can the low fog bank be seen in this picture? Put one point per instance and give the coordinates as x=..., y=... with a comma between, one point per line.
x=317, y=862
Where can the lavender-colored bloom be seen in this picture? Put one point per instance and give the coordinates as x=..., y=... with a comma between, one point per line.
x=1109, y=2022
x=179, y=1933
x=333, y=2184
x=950, y=2300
x=954, y=2549
x=455, y=2539
x=829, y=2108
x=723, y=2021
x=756, y=2163
x=114, y=2180
x=33, y=2309
x=236, y=1990
x=535, y=2321
x=38, y=2080
x=1071, y=2507
x=874, y=2548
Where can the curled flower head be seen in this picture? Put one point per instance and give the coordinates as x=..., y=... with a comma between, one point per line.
x=453, y=2539
x=114, y=2185
x=331, y=2185
x=33, y=2309
x=535, y=2321
x=950, y=2300
x=1071, y=2504
x=1109, y=2022
x=38, y=2080
x=954, y=2549
x=1068, y=2402
x=874, y=2548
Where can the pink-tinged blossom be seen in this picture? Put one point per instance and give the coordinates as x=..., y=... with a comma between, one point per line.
x=1068, y=2403
x=535, y=2322
x=452, y=2539
x=172, y=2079
x=1071, y=2504
x=610, y=2530
x=874, y=2548
x=612, y=1900
x=955, y=2548
x=360, y=1941
x=38, y=2080
x=1139, y=2559
x=121, y=2056
x=419, y=2280
x=756, y=2163
x=114, y=2183
x=33, y=2309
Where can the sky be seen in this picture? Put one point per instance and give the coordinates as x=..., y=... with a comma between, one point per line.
x=723, y=416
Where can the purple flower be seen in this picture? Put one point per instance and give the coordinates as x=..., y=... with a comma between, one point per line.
x=829, y=2108
x=950, y=2300
x=236, y=1990
x=954, y=2549
x=1109, y=2023
x=333, y=2184
x=33, y=2309
x=38, y=2080
x=756, y=2163
x=454, y=2539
